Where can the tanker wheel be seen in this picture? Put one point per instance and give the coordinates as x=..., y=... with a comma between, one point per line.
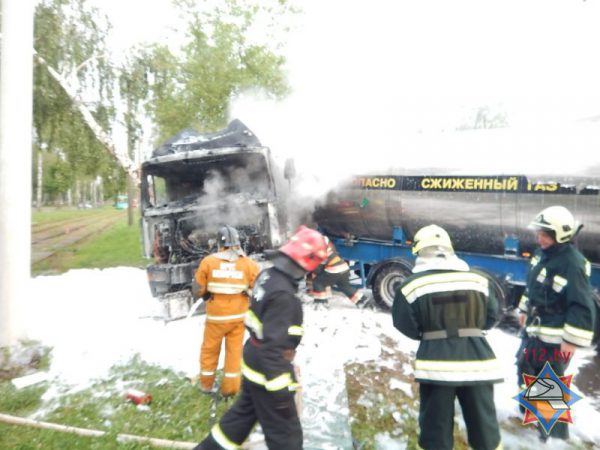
x=508, y=318
x=387, y=281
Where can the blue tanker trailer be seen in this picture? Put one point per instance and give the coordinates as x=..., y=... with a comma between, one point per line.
x=372, y=220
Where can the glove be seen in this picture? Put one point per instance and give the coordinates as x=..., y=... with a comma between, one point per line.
x=195, y=287
x=365, y=302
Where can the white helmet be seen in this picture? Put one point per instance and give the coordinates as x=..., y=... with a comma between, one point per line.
x=227, y=236
x=558, y=219
x=431, y=236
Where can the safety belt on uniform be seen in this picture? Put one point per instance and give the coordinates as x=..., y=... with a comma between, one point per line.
x=443, y=334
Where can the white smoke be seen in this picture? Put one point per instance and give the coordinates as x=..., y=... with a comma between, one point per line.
x=382, y=86
x=228, y=196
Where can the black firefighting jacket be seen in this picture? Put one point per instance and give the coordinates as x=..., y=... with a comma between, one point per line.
x=558, y=298
x=275, y=325
x=447, y=310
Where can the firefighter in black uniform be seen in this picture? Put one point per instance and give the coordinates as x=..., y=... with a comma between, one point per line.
x=557, y=308
x=335, y=272
x=446, y=306
x=275, y=325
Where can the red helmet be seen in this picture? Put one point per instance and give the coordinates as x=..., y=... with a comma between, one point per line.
x=307, y=248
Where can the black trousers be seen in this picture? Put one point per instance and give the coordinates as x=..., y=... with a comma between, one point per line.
x=340, y=280
x=531, y=358
x=436, y=416
x=279, y=421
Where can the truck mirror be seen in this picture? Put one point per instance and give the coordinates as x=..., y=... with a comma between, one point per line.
x=289, y=170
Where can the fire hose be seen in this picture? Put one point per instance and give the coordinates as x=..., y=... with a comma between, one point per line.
x=121, y=437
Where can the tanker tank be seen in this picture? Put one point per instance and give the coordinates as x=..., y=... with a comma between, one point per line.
x=478, y=212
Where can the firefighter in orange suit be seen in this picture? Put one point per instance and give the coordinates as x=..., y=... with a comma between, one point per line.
x=275, y=324
x=225, y=280
x=335, y=272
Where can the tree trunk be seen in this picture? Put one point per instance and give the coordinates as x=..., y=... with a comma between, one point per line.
x=93, y=193
x=16, y=73
x=77, y=193
x=130, y=196
x=130, y=152
x=40, y=168
x=100, y=191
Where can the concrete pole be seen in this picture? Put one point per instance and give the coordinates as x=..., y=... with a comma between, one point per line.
x=16, y=67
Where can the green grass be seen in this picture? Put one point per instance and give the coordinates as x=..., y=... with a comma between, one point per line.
x=54, y=215
x=42, y=362
x=376, y=409
x=16, y=437
x=119, y=245
x=178, y=410
x=19, y=402
x=373, y=405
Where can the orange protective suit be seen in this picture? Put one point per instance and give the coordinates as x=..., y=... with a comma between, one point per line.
x=228, y=277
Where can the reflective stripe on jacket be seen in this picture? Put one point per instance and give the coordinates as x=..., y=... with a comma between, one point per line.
x=275, y=325
x=334, y=263
x=446, y=309
x=558, y=298
x=228, y=281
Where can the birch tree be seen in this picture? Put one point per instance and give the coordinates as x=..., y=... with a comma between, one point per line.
x=133, y=87
x=74, y=80
x=235, y=47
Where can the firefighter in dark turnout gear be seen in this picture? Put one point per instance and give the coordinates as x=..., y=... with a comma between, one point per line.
x=275, y=325
x=446, y=306
x=335, y=272
x=557, y=308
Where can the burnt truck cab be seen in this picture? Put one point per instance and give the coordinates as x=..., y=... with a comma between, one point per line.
x=191, y=186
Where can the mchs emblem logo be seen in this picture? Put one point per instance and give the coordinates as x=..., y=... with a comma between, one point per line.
x=547, y=398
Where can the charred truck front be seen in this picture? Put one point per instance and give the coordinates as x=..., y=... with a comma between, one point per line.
x=191, y=186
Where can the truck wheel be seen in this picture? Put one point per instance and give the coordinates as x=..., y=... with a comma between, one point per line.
x=387, y=280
